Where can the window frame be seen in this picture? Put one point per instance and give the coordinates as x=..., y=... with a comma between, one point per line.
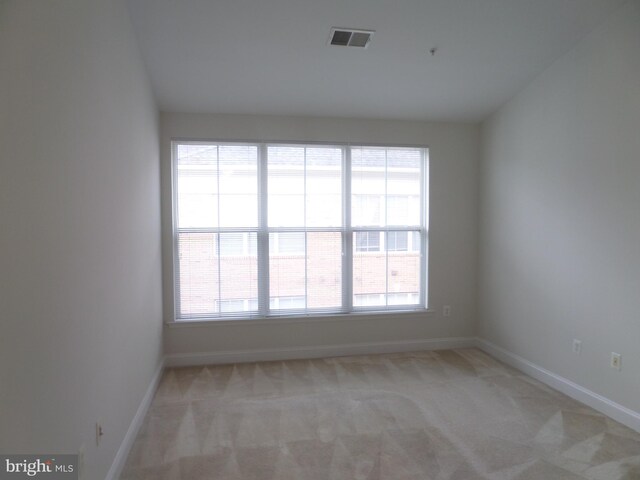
x=348, y=231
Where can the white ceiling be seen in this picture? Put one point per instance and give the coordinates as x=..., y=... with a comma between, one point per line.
x=271, y=56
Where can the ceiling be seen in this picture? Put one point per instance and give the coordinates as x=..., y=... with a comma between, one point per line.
x=271, y=56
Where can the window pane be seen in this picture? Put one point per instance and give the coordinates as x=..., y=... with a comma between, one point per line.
x=286, y=186
x=238, y=272
x=198, y=265
x=386, y=276
x=305, y=186
x=403, y=298
x=397, y=241
x=368, y=300
x=415, y=242
x=238, y=180
x=286, y=272
x=403, y=210
x=403, y=186
x=287, y=243
x=369, y=269
x=287, y=303
x=324, y=269
x=366, y=210
x=367, y=241
x=228, y=306
x=231, y=244
x=404, y=274
x=393, y=176
x=197, y=185
x=368, y=167
x=324, y=187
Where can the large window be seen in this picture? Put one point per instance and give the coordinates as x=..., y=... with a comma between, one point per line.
x=274, y=229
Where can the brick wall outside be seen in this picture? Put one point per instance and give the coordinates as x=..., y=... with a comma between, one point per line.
x=206, y=278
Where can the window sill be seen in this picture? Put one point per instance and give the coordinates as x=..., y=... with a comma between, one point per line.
x=306, y=318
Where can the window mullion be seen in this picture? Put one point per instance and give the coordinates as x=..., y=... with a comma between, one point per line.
x=177, y=307
x=424, y=189
x=386, y=232
x=347, y=235
x=263, y=233
x=217, y=237
x=304, y=221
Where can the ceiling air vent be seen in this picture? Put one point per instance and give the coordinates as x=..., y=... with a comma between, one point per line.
x=349, y=37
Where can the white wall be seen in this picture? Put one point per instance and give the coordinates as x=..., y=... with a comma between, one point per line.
x=452, y=257
x=80, y=291
x=560, y=214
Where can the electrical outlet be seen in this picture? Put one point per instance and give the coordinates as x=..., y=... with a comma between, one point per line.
x=446, y=311
x=616, y=361
x=99, y=432
x=577, y=346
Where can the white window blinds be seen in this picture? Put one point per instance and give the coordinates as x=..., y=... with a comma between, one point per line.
x=273, y=229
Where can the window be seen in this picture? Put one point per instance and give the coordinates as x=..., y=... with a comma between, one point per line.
x=371, y=299
x=368, y=299
x=238, y=304
x=366, y=209
x=237, y=244
x=272, y=229
x=367, y=241
x=398, y=241
x=402, y=298
x=287, y=243
x=287, y=303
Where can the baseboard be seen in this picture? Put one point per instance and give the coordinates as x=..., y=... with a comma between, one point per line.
x=315, y=351
x=594, y=400
x=127, y=442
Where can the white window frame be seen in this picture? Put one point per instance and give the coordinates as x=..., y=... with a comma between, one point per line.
x=263, y=230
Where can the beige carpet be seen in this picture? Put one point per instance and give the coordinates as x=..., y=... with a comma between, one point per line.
x=446, y=415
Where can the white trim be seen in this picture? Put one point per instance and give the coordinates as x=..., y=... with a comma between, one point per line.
x=618, y=412
x=314, y=317
x=315, y=351
x=127, y=442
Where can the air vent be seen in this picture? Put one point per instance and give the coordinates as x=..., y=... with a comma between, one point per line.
x=349, y=37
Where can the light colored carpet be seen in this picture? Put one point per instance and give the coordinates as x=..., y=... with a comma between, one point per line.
x=446, y=415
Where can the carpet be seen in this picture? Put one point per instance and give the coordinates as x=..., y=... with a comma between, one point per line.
x=439, y=415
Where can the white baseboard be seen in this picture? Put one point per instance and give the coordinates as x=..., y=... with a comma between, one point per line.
x=596, y=401
x=316, y=351
x=127, y=442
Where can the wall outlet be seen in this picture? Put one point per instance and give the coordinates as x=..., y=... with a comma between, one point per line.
x=99, y=432
x=616, y=361
x=446, y=311
x=577, y=346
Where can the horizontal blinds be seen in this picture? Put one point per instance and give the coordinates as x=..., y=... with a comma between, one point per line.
x=221, y=213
